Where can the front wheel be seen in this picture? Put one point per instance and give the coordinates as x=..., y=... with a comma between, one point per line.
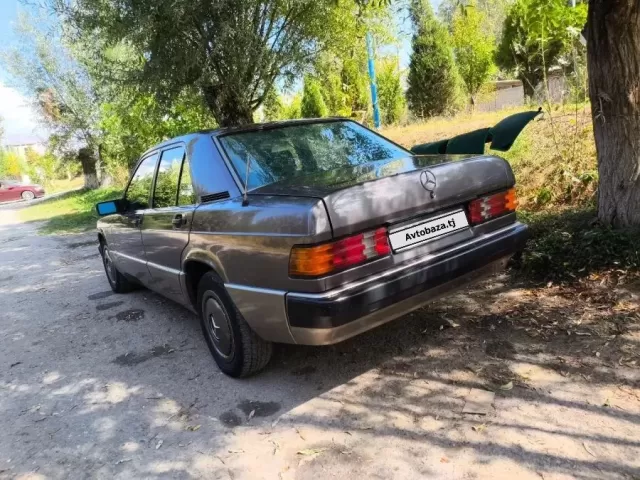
x=118, y=282
x=28, y=195
x=238, y=350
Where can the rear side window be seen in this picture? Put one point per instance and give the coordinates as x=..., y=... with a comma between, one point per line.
x=139, y=188
x=186, y=195
x=166, y=191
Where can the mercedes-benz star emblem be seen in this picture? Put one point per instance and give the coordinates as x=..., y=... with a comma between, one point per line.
x=428, y=181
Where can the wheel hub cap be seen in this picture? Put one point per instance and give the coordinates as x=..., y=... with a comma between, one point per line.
x=108, y=266
x=218, y=326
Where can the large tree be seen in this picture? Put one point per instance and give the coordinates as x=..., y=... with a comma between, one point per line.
x=535, y=35
x=432, y=79
x=45, y=69
x=613, y=35
x=231, y=50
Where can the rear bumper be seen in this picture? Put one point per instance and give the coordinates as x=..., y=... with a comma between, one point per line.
x=333, y=316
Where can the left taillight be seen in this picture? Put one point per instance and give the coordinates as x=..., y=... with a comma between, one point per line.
x=492, y=206
x=319, y=260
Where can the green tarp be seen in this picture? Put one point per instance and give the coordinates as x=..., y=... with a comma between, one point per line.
x=501, y=137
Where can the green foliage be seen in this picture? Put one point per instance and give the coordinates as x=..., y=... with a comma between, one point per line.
x=133, y=123
x=536, y=35
x=569, y=244
x=313, y=105
x=390, y=94
x=433, y=76
x=293, y=109
x=273, y=107
x=494, y=12
x=473, y=48
x=70, y=213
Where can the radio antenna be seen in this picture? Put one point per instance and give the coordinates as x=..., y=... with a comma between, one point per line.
x=245, y=195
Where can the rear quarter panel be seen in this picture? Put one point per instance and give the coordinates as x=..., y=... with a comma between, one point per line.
x=250, y=245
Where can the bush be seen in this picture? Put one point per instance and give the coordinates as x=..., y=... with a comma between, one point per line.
x=569, y=244
x=390, y=95
x=313, y=105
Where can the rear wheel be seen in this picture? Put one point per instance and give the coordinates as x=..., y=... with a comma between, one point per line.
x=28, y=195
x=118, y=282
x=237, y=350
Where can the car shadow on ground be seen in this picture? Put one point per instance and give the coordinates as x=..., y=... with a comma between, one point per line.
x=124, y=384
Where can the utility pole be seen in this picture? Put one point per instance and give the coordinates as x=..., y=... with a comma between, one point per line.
x=372, y=82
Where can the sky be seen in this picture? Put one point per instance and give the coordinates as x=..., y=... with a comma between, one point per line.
x=20, y=120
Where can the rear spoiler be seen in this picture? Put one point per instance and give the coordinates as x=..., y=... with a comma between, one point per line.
x=501, y=137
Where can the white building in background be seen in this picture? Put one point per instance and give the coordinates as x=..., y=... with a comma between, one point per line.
x=21, y=149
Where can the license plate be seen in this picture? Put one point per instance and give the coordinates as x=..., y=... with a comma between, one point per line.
x=427, y=231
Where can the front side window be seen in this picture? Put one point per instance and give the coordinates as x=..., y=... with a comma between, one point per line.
x=166, y=190
x=295, y=150
x=139, y=189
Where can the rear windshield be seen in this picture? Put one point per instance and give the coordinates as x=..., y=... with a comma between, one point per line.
x=290, y=151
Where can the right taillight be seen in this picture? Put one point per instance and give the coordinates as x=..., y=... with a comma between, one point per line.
x=492, y=206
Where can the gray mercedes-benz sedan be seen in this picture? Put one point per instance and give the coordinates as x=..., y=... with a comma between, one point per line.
x=306, y=232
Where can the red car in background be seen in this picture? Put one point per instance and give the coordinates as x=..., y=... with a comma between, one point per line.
x=11, y=190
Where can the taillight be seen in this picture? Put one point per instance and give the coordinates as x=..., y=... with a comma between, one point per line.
x=331, y=257
x=492, y=206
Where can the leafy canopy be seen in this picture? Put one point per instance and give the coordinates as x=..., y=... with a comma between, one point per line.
x=231, y=51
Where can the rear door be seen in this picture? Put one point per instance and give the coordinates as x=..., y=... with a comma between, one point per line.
x=125, y=240
x=165, y=230
x=8, y=192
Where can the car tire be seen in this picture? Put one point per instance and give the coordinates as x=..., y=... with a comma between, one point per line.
x=236, y=348
x=28, y=195
x=118, y=282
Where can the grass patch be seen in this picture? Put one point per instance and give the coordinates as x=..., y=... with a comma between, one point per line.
x=71, y=213
x=569, y=244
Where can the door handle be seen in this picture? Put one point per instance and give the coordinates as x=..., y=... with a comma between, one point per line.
x=178, y=220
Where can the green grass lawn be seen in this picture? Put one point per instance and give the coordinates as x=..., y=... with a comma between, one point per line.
x=71, y=213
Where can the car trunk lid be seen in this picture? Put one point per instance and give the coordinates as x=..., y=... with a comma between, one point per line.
x=386, y=192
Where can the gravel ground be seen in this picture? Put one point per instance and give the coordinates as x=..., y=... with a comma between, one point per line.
x=97, y=385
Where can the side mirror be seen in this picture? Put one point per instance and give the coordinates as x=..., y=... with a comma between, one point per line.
x=109, y=207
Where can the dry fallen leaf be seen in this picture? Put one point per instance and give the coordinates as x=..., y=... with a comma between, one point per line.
x=507, y=386
x=444, y=460
x=193, y=428
x=253, y=412
x=479, y=428
x=588, y=449
x=159, y=444
x=311, y=451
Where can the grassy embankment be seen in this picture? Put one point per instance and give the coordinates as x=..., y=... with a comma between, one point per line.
x=70, y=213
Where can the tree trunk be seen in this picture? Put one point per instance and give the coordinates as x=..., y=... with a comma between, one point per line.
x=613, y=49
x=228, y=108
x=88, y=161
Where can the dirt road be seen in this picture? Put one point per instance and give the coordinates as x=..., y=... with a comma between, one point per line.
x=96, y=385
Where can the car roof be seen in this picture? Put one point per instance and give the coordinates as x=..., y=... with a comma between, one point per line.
x=254, y=127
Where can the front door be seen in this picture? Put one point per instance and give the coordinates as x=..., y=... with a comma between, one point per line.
x=125, y=237
x=166, y=226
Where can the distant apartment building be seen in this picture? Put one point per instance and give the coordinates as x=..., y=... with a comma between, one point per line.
x=21, y=149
